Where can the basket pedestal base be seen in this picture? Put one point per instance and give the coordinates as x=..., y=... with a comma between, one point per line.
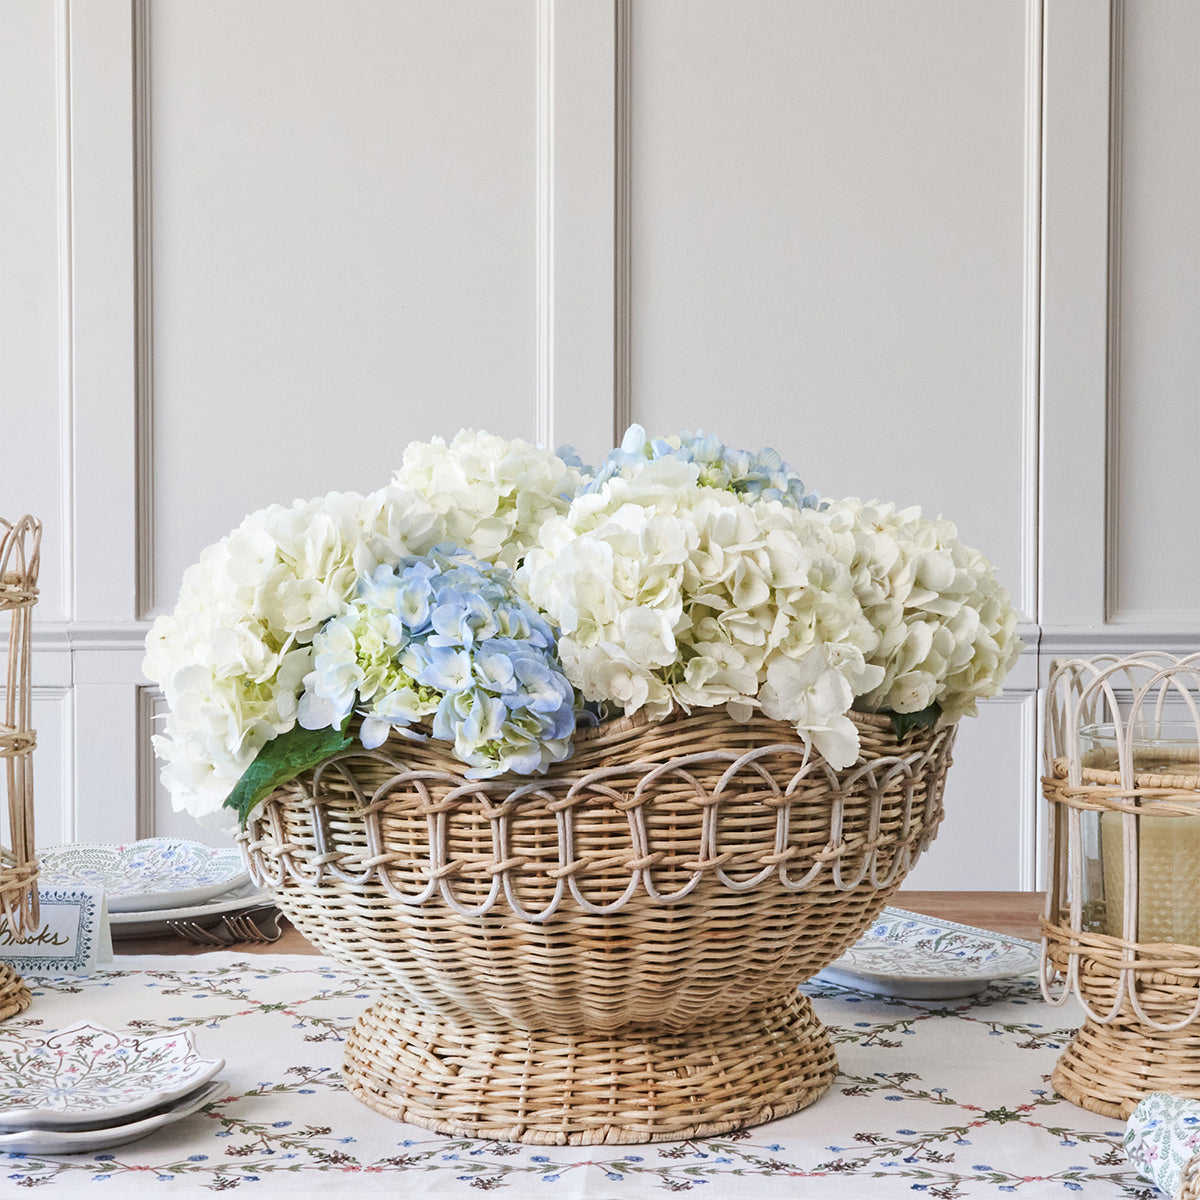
x=634, y=1085
x=1107, y=1069
x=14, y=995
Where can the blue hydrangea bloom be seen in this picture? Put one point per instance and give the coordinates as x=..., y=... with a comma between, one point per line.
x=762, y=475
x=444, y=642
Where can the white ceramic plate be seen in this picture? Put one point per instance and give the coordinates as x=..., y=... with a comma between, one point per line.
x=153, y=923
x=87, y=1075
x=80, y=1141
x=152, y=874
x=922, y=958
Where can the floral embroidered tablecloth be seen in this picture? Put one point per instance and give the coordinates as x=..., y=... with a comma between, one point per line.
x=936, y=1099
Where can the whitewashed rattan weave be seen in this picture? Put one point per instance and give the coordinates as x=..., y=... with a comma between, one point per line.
x=1141, y=995
x=610, y=952
x=20, y=551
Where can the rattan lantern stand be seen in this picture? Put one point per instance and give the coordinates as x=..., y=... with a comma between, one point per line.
x=1122, y=922
x=20, y=549
x=608, y=953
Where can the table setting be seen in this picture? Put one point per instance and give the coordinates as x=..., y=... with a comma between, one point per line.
x=221, y=1071
x=589, y=793
x=944, y=1098
x=161, y=885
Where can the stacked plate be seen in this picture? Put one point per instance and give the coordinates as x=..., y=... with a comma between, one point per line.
x=87, y=1088
x=913, y=957
x=150, y=882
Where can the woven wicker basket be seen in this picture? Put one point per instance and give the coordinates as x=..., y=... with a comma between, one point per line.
x=20, y=558
x=1142, y=1033
x=610, y=952
x=1123, y=906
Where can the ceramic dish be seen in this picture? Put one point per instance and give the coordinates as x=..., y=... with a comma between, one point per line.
x=80, y=1141
x=922, y=958
x=86, y=1074
x=154, y=873
x=151, y=924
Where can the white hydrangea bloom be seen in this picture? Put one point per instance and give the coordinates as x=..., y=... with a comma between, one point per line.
x=492, y=493
x=948, y=629
x=685, y=574
x=232, y=657
x=667, y=592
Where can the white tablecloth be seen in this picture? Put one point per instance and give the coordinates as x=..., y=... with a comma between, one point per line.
x=935, y=1100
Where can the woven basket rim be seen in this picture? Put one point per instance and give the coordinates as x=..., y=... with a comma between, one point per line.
x=591, y=738
x=640, y=719
x=1186, y=781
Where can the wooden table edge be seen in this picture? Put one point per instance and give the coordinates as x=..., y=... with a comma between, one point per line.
x=1013, y=913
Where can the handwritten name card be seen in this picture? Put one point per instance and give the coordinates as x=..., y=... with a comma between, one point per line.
x=71, y=938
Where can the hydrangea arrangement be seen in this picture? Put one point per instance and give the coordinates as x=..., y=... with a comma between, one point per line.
x=492, y=589
x=668, y=592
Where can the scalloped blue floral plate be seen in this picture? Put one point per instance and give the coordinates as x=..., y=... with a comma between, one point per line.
x=913, y=957
x=154, y=873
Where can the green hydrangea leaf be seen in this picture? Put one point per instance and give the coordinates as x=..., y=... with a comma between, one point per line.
x=905, y=723
x=282, y=759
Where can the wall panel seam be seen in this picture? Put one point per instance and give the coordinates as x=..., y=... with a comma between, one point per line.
x=148, y=700
x=544, y=417
x=144, y=599
x=622, y=223
x=1029, y=599
x=1112, y=389
x=66, y=307
x=70, y=767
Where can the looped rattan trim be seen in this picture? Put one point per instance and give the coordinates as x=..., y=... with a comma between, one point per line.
x=1117, y=912
x=710, y=783
x=1131, y=978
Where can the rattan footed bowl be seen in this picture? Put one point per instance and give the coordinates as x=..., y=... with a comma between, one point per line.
x=609, y=952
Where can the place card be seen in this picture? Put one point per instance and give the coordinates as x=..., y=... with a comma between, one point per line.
x=72, y=937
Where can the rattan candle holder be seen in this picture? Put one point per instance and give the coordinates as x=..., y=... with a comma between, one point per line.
x=608, y=953
x=20, y=550
x=1122, y=921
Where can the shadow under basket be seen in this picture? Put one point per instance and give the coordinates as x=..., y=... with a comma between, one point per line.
x=608, y=953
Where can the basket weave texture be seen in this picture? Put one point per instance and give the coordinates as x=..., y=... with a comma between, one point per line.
x=20, y=555
x=608, y=952
x=1189, y=1183
x=1142, y=999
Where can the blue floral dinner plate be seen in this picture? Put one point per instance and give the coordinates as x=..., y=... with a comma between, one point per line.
x=154, y=873
x=913, y=957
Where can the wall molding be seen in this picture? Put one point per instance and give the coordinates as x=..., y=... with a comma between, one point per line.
x=1116, y=639
x=149, y=705
x=144, y=599
x=64, y=697
x=1113, y=519
x=1029, y=599
x=1030, y=863
x=66, y=305
x=622, y=213
x=544, y=314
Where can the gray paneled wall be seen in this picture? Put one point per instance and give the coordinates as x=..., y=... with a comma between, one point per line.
x=938, y=253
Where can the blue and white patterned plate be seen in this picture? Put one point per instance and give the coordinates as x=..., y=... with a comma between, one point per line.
x=914, y=957
x=83, y=1140
x=88, y=1076
x=155, y=873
